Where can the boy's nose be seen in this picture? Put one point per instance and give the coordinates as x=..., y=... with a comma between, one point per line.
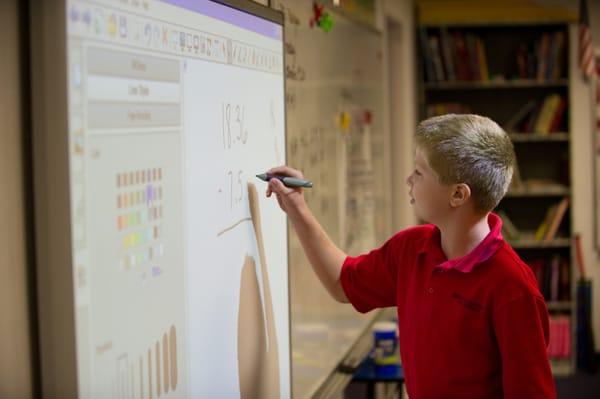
x=409, y=180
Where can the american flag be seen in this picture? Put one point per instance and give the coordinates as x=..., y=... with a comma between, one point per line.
x=587, y=62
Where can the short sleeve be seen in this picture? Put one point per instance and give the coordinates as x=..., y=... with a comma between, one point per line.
x=369, y=280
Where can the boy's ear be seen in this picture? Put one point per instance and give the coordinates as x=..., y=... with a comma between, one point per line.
x=460, y=194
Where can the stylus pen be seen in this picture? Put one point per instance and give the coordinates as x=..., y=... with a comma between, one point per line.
x=287, y=181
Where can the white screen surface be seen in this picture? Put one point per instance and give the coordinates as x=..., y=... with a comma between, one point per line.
x=180, y=266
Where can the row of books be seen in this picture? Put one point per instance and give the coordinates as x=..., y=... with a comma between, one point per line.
x=553, y=276
x=545, y=59
x=452, y=56
x=559, y=345
x=540, y=117
x=547, y=230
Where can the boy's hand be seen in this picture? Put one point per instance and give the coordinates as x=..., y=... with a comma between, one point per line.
x=288, y=198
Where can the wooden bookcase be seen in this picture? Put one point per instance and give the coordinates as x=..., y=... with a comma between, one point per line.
x=498, y=88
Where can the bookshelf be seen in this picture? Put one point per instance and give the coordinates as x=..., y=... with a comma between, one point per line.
x=517, y=75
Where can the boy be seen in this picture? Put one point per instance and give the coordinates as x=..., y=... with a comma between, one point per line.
x=473, y=323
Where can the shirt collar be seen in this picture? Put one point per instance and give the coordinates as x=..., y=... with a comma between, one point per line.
x=465, y=264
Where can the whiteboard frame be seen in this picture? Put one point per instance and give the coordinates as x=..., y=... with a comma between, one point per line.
x=53, y=256
x=56, y=333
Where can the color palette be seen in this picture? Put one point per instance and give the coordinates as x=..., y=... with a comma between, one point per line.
x=139, y=205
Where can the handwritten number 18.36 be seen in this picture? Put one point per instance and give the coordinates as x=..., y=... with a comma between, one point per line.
x=234, y=128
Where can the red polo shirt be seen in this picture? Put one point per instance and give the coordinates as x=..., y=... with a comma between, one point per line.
x=472, y=327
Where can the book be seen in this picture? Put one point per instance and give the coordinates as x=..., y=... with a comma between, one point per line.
x=436, y=57
x=551, y=57
x=542, y=57
x=564, y=280
x=557, y=219
x=462, y=56
x=545, y=118
x=545, y=225
x=554, y=277
x=522, y=61
x=474, y=70
x=427, y=60
x=558, y=115
x=558, y=69
x=484, y=74
x=529, y=125
x=559, y=345
x=448, y=53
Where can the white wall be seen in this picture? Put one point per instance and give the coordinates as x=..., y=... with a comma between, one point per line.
x=15, y=352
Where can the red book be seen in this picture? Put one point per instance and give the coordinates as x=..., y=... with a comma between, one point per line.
x=558, y=115
x=474, y=62
x=462, y=57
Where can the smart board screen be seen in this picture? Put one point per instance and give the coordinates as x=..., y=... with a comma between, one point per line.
x=179, y=260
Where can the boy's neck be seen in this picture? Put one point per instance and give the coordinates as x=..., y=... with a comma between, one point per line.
x=460, y=234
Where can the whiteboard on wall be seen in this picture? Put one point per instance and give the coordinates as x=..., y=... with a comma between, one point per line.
x=179, y=265
x=334, y=85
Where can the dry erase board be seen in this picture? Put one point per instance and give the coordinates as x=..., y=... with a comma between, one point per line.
x=334, y=135
x=176, y=272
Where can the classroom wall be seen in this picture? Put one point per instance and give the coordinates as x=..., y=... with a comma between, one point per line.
x=396, y=19
x=16, y=372
x=583, y=120
x=15, y=359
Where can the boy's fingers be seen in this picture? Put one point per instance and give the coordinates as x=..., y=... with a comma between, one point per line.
x=278, y=187
x=270, y=188
x=273, y=187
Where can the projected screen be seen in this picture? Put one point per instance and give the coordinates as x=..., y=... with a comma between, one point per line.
x=179, y=260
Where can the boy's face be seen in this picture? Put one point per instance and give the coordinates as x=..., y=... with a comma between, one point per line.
x=430, y=198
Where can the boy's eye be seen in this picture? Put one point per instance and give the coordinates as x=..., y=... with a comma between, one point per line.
x=417, y=173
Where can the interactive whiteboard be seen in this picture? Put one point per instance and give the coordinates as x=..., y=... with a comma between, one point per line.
x=179, y=262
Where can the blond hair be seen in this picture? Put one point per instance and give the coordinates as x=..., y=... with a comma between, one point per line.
x=469, y=149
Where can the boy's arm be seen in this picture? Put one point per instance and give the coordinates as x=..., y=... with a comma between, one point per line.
x=521, y=327
x=324, y=256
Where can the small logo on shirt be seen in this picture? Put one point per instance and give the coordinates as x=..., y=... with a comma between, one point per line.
x=471, y=305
